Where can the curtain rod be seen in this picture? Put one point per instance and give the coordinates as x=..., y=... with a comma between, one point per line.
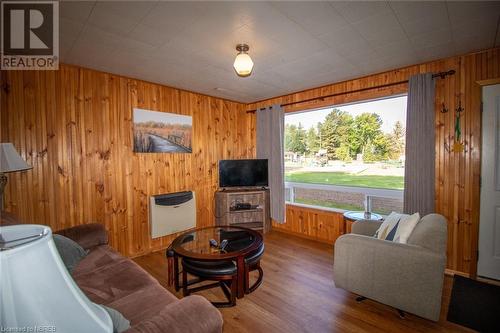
x=441, y=75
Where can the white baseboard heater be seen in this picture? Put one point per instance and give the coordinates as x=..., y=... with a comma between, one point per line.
x=172, y=212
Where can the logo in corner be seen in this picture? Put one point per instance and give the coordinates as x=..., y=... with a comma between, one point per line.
x=30, y=35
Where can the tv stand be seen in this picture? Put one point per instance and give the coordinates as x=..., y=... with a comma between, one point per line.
x=230, y=214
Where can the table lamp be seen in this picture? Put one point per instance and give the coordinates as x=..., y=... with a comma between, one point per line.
x=37, y=294
x=10, y=161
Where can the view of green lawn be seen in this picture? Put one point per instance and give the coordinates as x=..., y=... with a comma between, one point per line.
x=346, y=179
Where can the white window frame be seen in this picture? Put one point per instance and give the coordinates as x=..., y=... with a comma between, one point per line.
x=369, y=192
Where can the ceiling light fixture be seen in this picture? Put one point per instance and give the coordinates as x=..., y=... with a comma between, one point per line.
x=243, y=64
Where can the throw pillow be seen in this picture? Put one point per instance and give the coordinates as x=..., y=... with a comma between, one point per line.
x=397, y=227
x=389, y=227
x=70, y=251
x=120, y=323
x=406, y=227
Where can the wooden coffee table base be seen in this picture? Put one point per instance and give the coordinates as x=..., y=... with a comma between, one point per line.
x=194, y=245
x=240, y=280
x=229, y=292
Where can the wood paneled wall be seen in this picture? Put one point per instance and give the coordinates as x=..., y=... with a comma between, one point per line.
x=74, y=126
x=457, y=174
x=317, y=224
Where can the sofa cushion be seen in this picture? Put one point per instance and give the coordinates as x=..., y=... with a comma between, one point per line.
x=98, y=258
x=144, y=303
x=192, y=314
x=70, y=252
x=87, y=235
x=109, y=282
x=109, y=278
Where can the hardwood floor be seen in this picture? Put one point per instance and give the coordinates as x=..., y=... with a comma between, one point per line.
x=298, y=295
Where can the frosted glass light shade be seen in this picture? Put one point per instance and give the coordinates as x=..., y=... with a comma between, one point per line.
x=36, y=290
x=10, y=160
x=243, y=64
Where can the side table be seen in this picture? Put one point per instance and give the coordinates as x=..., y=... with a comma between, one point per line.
x=352, y=216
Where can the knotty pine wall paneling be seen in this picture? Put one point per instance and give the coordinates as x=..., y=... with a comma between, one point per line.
x=74, y=126
x=316, y=224
x=457, y=190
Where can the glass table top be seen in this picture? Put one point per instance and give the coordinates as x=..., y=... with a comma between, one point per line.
x=355, y=216
x=197, y=242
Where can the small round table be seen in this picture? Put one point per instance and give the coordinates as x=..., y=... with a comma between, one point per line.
x=353, y=216
x=195, y=245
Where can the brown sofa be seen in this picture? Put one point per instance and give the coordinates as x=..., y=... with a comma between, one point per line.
x=108, y=278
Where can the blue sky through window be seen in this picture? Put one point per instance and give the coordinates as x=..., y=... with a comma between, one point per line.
x=389, y=109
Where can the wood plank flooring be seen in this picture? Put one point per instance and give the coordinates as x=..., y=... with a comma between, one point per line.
x=298, y=295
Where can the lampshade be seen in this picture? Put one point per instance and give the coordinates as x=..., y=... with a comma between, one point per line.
x=36, y=290
x=10, y=160
x=243, y=64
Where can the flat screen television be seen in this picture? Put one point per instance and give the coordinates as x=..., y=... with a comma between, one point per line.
x=243, y=173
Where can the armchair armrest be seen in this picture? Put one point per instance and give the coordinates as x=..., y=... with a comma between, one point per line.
x=192, y=314
x=365, y=227
x=407, y=277
x=86, y=235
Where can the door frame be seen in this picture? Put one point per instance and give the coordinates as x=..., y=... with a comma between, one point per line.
x=477, y=90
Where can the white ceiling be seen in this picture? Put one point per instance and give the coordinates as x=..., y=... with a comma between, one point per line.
x=294, y=45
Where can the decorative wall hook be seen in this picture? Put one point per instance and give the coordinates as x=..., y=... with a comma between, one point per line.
x=443, y=108
x=454, y=143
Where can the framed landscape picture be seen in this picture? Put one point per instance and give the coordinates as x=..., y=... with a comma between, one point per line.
x=161, y=132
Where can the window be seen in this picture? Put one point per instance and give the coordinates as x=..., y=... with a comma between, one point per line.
x=347, y=157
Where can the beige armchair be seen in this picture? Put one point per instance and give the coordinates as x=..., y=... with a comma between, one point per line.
x=408, y=277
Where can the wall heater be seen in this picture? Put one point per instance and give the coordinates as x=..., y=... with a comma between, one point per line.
x=172, y=212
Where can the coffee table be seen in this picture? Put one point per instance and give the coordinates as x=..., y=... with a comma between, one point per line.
x=195, y=245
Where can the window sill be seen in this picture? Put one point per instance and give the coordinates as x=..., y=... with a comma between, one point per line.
x=328, y=209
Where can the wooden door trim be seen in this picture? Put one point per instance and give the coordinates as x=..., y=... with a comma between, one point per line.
x=488, y=82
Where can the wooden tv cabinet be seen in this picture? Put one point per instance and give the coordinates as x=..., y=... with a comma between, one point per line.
x=256, y=218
